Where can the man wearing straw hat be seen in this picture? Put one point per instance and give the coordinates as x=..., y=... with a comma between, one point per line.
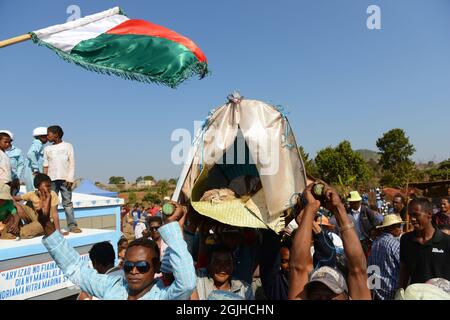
x=365, y=219
x=385, y=254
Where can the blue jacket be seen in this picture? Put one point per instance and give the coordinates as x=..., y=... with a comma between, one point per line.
x=35, y=156
x=17, y=162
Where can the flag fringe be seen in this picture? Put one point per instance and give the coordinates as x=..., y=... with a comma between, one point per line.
x=198, y=68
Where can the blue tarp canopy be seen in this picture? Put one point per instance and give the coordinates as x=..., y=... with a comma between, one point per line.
x=87, y=187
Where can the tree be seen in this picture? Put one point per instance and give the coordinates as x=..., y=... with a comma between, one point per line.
x=440, y=172
x=116, y=180
x=342, y=165
x=132, y=198
x=149, y=178
x=139, y=179
x=172, y=181
x=396, y=150
x=310, y=166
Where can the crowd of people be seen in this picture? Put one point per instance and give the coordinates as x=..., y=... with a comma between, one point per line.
x=333, y=247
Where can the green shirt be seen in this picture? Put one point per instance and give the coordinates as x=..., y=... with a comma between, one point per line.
x=6, y=209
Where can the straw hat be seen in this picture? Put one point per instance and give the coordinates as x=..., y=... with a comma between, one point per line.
x=390, y=220
x=5, y=192
x=232, y=212
x=354, y=196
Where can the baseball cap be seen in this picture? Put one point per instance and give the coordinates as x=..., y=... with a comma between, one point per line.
x=330, y=277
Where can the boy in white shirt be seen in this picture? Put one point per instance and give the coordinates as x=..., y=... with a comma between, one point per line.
x=59, y=164
x=5, y=164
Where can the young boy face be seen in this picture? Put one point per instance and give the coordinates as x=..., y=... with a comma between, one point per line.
x=5, y=143
x=51, y=136
x=44, y=186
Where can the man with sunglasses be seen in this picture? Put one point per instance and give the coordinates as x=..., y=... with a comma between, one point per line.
x=141, y=262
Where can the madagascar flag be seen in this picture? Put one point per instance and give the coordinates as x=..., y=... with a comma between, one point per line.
x=111, y=43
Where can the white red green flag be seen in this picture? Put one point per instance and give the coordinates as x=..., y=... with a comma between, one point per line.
x=109, y=42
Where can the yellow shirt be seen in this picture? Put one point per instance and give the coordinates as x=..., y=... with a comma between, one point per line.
x=34, y=198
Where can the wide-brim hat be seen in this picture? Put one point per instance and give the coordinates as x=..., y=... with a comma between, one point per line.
x=5, y=192
x=354, y=196
x=390, y=220
x=232, y=212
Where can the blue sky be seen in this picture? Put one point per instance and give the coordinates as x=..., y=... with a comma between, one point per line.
x=337, y=79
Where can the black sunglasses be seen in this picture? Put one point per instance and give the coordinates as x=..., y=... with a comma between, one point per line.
x=141, y=266
x=153, y=228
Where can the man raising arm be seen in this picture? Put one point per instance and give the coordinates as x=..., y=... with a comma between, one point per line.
x=140, y=265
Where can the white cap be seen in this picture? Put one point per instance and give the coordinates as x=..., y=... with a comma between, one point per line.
x=9, y=133
x=40, y=131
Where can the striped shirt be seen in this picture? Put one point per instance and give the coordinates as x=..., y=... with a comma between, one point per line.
x=386, y=255
x=110, y=287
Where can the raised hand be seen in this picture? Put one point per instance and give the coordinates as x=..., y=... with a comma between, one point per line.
x=177, y=214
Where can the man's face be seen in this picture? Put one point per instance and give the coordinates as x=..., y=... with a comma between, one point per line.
x=445, y=206
x=221, y=266
x=5, y=143
x=45, y=186
x=420, y=219
x=398, y=204
x=319, y=291
x=138, y=281
x=284, y=254
x=153, y=228
x=396, y=230
x=355, y=205
x=51, y=136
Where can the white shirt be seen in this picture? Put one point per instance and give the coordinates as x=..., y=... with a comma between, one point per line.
x=60, y=160
x=139, y=229
x=5, y=168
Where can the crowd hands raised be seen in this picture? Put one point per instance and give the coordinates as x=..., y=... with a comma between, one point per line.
x=331, y=250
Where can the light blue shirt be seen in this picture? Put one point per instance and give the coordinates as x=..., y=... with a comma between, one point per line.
x=108, y=287
x=17, y=162
x=35, y=156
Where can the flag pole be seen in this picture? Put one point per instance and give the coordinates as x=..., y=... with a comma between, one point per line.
x=15, y=40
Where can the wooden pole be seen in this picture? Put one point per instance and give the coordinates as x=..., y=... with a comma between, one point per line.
x=15, y=40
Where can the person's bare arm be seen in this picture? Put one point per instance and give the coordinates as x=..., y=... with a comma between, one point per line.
x=356, y=261
x=404, y=276
x=300, y=255
x=45, y=170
